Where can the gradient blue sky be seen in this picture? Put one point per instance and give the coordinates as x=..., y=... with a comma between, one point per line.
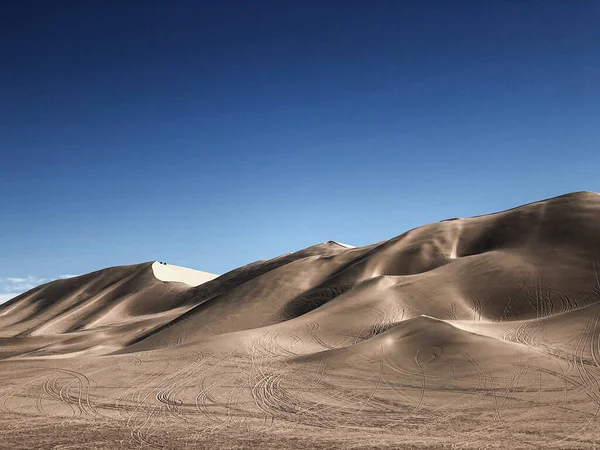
x=213, y=134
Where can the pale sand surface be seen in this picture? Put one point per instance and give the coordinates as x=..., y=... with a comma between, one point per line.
x=480, y=332
x=191, y=277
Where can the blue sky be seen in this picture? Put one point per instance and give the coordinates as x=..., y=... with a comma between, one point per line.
x=213, y=134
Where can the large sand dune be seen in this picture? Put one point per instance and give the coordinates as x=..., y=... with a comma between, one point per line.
x=470, y=332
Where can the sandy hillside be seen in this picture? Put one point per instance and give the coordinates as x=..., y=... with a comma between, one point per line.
x=465, y=333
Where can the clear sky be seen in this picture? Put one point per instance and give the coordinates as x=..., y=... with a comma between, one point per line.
x=212, y=134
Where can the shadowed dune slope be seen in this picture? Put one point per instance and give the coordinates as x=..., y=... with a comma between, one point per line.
x=108, y=306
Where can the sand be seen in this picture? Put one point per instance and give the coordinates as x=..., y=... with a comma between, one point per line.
x=465, y=333
x=191, y=277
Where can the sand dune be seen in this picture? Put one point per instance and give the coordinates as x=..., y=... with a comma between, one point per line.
x=471, y=332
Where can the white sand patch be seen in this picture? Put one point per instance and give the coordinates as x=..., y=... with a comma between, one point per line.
x=169, y=272
x=342, y=244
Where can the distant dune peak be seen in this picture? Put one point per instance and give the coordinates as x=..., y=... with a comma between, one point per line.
x=341, y=244
x=178, y=274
